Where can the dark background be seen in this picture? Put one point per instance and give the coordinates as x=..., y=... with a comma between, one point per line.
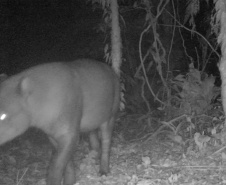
x=34, y=32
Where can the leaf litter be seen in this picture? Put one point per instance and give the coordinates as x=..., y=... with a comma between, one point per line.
x=153, y=160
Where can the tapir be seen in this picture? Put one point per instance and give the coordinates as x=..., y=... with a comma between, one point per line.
x=62, y=99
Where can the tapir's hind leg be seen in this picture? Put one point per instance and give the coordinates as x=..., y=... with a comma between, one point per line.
x=106, y=133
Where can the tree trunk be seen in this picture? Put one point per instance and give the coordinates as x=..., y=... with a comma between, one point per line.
x=221, y=18
x=116, y=42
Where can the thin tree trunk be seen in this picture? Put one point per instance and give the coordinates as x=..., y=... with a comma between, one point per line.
x=116, y=41
x=220, y=6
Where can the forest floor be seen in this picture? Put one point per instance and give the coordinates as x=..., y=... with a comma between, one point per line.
x=138, y=157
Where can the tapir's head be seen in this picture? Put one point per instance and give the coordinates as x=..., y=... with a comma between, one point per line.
x=13, y=117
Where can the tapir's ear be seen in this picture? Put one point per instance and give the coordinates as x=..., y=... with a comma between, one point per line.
x=26, y=87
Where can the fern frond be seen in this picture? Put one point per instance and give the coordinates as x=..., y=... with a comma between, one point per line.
x=193, y=7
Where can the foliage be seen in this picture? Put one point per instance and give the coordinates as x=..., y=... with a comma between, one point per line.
x=194, y=92
x=193, y=7
x=183, y=94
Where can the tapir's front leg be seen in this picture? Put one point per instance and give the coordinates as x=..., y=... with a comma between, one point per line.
x=69, y=175
x=61, y=166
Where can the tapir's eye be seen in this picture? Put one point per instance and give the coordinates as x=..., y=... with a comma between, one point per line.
x=3, y=116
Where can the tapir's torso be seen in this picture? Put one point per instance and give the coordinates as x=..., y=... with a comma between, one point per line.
x=56, y=92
